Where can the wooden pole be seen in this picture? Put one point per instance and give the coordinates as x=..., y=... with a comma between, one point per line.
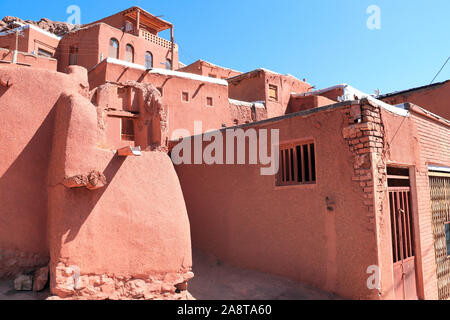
x=138, y=21
x=173, y=47
x=14, y=58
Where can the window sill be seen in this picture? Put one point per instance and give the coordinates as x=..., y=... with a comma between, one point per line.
x=297, y=186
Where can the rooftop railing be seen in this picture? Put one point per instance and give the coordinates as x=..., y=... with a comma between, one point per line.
x=155, y=39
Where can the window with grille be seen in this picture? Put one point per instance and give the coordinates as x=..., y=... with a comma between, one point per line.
x=297, y=164
x=127, y=129
x=273, y=92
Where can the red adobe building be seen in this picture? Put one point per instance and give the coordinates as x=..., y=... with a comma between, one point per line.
x=88, y=189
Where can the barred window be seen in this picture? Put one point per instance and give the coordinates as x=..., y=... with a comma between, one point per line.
x=297, y=164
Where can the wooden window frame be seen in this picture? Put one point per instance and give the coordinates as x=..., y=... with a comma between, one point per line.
x=183, y=93
x=128, y=52
x=73, y=55
x=294, y=170
x=110, y=47
x=126, y=136
x=44, y=53
x=148, y=54
x=274, y=88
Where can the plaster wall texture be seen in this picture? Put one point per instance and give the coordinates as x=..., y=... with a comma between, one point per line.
x=123, y=222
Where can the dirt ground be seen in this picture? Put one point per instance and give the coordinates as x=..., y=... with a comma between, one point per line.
x=215, y=281
x=7, y=292
x=219, y=281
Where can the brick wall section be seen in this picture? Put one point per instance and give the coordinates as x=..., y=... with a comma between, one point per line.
x=434, y=141
x=366, y=142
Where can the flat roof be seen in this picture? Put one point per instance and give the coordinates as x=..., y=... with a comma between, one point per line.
x=250, y=73
x=382, y=96
x=33, y=27
x=215, y=65
x=166, y=72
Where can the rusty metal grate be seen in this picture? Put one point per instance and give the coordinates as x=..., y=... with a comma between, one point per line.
x=402, y=223
x=440, y=207
x=297, y=164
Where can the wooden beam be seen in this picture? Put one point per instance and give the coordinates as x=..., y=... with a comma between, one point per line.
x=138, y=21
x=173, y=47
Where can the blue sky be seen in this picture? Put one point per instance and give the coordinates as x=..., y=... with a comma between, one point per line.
x=325, y=41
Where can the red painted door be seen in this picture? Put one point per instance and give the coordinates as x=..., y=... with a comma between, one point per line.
x=403, y=244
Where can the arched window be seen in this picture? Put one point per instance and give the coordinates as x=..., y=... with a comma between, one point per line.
x=148, y=60
x=129, y=53
x=113, y=48
x=168, y=64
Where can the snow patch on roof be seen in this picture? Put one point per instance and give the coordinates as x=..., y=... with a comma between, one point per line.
x=30, y=26
x=351, y=94
x=257, y=104
x=166, y=72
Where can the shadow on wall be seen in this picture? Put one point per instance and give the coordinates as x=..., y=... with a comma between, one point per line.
x=23, y=192
x=2, y=91
x=86, y=200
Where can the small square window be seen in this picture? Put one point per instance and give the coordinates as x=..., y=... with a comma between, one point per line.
x=447, y=237
x=209, y=101
x=44, y=53
x=212, y=75
x=127, y=129
x=185, y=96
x=273, y=92
x=297, y=164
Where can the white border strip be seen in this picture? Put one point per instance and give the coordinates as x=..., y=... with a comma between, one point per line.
x=350, y=93
x=257, y=104
x=30, y=26
x=438, y=168
x=168, y=72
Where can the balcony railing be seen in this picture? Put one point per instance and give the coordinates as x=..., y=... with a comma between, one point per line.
x=155, y=39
